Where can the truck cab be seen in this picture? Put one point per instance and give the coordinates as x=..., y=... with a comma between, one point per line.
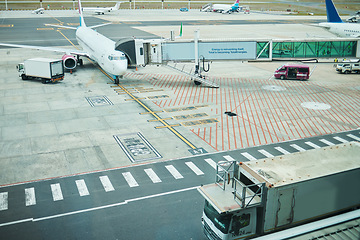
x=348, y=67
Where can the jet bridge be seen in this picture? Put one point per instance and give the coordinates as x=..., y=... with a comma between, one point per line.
x=141, y=52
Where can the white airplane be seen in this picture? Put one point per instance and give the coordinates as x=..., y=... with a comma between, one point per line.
x=95, y=46
x=38, y=11
x=335, y=25
x=102, y=10
x=226, y=8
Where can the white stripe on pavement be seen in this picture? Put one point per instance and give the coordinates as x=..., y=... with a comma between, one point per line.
x=174, y=172
x=211, y=162
x=283, y=151
x=130, y=179
x=327, y=142
x=353, y=137
x=30, y=196
x=81, y=186
x=248, y=156
x=194, y=168
x=229, y=158
x=3, y=201
x=105, y=181
x=265, y=153
x=312, y=144
x=341, y=139
x=56, y=192
x=300, y=149
x=152, y=175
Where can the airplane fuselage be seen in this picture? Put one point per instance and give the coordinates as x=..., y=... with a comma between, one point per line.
x=102, y=50
x=342, y=29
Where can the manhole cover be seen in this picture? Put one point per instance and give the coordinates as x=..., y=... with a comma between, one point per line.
x=274, y=88
x=316, y=105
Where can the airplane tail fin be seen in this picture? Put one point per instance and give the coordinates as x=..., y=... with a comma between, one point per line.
x=117, y=6
x=332, y=13
x=82, y=22
x=236, y=2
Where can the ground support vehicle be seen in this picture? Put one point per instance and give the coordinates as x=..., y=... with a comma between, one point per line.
x=348, y=67
x=255, y=198
x=44, y=69
x=286, y=71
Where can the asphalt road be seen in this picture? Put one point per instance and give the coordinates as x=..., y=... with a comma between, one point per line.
x=150, y=201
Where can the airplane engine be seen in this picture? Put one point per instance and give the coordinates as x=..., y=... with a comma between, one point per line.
x=70, y=62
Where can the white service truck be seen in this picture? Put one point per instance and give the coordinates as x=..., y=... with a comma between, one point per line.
x=44, y=69
x=348, y=67
x=255, y=198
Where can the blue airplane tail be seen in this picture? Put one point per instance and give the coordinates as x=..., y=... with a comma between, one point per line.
x=332, y=13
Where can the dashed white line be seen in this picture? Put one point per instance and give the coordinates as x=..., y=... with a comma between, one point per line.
x=312, y=144
x=248, y=156
x=4, y=201
x=130, y=179
x=229, y=158
x=82, y=188
x=174, y=172
x=327, y=142
x=105, y=181
x=353, y=137
x=300, y=149
x=283, y=151
x=341, y=139
x=265, y=153
x=56, y=192
x=194, y=168
x=30, y=198
x=211, y=162
x=152, y=175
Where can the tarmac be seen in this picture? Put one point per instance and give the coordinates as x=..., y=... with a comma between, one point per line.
x=85, y=122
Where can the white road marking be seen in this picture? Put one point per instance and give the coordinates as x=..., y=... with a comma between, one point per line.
x=229, y=158
x=248, y=156
x=130, y=179
x=56, y=192
x=283, y=151
x=4, y=201
x=152, y=175
x=312, y=144
x=30, y=196
x=81, y=186
x=194, y=168
x=265, y=153
x=105, y=181
x=327, y=142
x=174, y=172
x=300, y=149
x=353, y=137
x=211, y=162
x=341, y=139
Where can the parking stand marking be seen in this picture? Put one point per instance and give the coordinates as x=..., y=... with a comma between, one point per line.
x=174, y=172
x=130, y=179
x=83, y=191
x=152, y=175
x=194, y=168
x=105, y=181
x=30, y=198
x=3, y=201
x=56, y=192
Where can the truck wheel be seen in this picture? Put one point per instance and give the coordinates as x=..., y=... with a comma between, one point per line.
x=23, y=77
x=347, y=71
x=282, y=77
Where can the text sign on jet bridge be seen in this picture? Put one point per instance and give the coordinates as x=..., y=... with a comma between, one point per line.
x=184, y=51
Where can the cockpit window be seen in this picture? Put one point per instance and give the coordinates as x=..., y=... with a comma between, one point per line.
x=116, y=57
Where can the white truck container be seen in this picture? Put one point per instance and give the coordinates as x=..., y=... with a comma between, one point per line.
x=44, y=69
x=254, y=198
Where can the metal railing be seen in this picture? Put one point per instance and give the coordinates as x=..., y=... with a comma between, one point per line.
x=225, y=171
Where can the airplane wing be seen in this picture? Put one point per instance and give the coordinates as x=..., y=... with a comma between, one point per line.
x=52, y=49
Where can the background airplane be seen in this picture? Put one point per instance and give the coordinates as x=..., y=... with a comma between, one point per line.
x=102, y=10
x=335, y=25
x=95, y=46
x=225, y=8
x=38, y=11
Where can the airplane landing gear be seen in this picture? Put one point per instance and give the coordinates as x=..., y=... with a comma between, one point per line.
x=116, y=79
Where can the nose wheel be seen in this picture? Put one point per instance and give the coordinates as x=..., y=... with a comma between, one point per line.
x=117, y=78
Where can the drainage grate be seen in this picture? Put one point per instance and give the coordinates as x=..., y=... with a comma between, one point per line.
x=136, y=147
x=230, y=114
x=97, y=101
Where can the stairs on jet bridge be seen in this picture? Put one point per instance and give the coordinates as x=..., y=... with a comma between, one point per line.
x=191, y=73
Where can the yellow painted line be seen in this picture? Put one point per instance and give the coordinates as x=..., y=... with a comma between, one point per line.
x=132, y=99
x=151, y=112
x=7, y=25
x=156, y=120
x=67, y=39
x=73, y=24
x=168, y=126
x=45, y=29
x=199, y=122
